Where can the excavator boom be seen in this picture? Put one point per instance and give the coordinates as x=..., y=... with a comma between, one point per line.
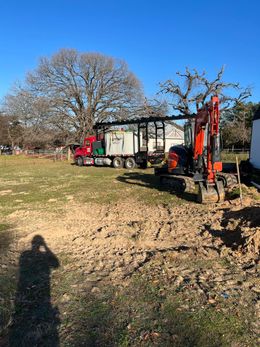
x=207, y=152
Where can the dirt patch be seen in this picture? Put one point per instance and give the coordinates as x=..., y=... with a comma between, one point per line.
x=111, y=242
x=5, y=192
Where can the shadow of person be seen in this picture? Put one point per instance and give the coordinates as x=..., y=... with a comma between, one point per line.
x=35, y=321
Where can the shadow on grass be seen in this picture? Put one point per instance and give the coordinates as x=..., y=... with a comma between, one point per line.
x=35, y=321
x=153, y=182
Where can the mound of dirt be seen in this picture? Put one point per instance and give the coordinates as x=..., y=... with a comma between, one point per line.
x=238, y=228
x=247, y=228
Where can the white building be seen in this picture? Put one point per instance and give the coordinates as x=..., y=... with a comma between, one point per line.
x=255, y=141
x=174, y=135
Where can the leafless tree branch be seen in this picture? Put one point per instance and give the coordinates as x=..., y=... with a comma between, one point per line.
x=193, y=89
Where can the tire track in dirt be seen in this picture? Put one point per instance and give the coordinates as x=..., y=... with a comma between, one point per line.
x=116, y=239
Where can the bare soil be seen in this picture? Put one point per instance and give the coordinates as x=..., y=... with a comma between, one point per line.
x=112, y=242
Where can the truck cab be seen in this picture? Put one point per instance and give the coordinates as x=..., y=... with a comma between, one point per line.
x=86, y=150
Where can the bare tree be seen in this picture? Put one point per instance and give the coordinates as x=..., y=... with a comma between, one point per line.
x=82, y=88
x=31, y=113
x=192, y=89
x=15, y=132
x=4, y=139
x=31, y=110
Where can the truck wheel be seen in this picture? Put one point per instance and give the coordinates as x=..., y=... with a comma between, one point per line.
x=118, y=163
x=130, y=163
x=80, y=161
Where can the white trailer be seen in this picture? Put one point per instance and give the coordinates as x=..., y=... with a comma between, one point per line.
x=120, y=149
x=250, y=169
x=121, y=143
x=255, y=141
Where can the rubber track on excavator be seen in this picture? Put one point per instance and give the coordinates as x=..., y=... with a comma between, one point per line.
x=228, y=179
x=181, y=184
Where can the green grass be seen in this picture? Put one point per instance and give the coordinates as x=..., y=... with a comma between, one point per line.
x=27, y=183
x=229, y=157
x=142, y=314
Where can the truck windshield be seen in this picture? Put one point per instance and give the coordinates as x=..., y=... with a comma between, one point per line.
x=87, y=143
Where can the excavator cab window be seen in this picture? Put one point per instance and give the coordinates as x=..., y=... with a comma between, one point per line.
x=215, y=148
x=188, y=135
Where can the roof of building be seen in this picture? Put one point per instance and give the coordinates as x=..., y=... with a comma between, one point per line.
x=173, y=130
x=180, y=127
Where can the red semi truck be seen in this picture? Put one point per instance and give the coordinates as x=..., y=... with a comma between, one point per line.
x=117, y=148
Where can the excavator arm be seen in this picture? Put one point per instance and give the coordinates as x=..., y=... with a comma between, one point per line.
x=207, y=152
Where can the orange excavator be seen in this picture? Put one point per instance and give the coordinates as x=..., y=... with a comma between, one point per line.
x=197, y=162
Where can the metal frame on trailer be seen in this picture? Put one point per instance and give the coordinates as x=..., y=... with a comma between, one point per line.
x=142, y=123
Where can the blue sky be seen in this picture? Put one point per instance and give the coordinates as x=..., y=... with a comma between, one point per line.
x=155, y=38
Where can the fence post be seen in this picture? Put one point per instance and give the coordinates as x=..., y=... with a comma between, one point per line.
x=239, y=181
x=69, y=153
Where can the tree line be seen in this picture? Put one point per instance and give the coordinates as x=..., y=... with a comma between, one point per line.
x=60, y=101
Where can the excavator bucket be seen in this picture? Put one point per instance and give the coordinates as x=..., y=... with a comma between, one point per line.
x=212, y=193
